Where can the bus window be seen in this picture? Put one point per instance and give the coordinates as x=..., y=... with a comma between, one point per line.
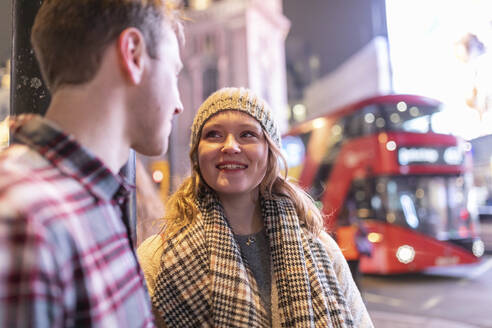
x=362, y=192
x=410, y=118
x=338, y=131
x=370, y=115
x=365, y=122
x=435, y=206
x=353, y=125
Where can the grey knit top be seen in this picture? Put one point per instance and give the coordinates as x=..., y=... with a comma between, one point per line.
x=255, y=251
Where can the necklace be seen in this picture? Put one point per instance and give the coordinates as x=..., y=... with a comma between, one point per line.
x=251, y=240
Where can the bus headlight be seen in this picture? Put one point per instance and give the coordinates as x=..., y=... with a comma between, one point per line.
x=405, y=254
x=478, y=248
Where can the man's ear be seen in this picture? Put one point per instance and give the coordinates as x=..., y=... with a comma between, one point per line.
x=132, y=54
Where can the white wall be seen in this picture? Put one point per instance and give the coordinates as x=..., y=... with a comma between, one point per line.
x=364, y=74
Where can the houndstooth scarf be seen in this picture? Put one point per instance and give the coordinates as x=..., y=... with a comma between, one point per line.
x=204, y=282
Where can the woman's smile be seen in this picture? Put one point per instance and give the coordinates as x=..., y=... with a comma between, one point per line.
x=231, y=166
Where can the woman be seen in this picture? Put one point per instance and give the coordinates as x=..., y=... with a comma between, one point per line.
x=242, y=246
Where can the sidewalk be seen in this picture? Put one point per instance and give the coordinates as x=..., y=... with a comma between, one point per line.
x=398, y=320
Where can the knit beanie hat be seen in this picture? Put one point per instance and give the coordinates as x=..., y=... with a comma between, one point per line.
x=239, y=99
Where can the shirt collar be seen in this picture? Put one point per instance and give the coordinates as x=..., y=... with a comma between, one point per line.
x=71, y=158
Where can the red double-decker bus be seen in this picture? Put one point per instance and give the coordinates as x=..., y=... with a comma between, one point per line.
x=409, y=183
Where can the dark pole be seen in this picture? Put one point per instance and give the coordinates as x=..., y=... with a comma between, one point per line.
x=28, y=93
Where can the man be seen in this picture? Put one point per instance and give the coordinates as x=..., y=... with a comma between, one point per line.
x=111, y=67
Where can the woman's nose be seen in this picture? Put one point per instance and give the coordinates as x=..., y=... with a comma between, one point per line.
x=230, y=145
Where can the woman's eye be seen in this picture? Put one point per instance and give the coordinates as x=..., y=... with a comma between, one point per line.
x=212, y=134
x=248, y=134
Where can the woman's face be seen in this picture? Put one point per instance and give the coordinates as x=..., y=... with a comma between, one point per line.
x=233, y=154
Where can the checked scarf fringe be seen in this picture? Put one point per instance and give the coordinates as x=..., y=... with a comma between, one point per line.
x=204, y=282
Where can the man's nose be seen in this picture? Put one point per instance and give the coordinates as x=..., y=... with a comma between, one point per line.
x=179, y=107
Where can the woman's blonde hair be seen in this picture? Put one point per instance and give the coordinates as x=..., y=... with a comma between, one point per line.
x=181, y=209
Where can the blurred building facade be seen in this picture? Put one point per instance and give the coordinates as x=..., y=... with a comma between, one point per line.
x=337, y=52
x=4, y=104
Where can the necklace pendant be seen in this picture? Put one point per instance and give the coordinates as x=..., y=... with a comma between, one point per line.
x=251, y=240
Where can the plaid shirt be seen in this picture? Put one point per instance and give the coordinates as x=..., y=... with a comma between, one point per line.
x=65, y=255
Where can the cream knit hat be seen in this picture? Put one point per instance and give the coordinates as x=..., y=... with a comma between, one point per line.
x=240, y=99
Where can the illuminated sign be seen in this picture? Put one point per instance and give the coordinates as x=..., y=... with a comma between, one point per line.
x=453, y=156
x=430, y=155
x=417, y=155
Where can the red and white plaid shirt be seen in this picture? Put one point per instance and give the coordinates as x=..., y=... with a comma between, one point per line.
x=65, y=255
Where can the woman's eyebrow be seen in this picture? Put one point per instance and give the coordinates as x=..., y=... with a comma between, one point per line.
x=250, y=126
x=211, y=126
